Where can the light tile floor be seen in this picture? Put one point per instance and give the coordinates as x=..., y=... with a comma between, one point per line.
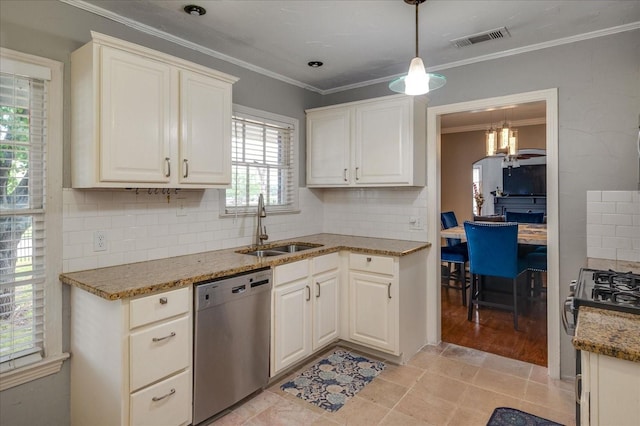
x=441, y=385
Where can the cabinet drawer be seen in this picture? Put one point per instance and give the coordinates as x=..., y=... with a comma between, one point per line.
x=326, y=262
x=369, y=263
x=165, y=403
x=290, y=272
x=158, y=351
x=158, y=307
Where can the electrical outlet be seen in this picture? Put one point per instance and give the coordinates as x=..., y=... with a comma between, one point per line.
x=415, y=222
x=99, y=241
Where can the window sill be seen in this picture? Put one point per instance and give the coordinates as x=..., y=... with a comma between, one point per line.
x=31, y=372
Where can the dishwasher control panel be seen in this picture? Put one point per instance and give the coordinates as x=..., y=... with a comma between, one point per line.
x=214, y=292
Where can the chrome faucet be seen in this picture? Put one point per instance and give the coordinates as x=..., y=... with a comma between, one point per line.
x=261, y=231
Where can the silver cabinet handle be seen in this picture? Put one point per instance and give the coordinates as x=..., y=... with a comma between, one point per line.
x=159, y=339
x=357, y=177
x=186, y=168
x=345, y=175
x=389, y=290
x=160, y=398
x=577, y=387
x=308, y=293
x=318, y=285
x=163, y=301
x=167, y=160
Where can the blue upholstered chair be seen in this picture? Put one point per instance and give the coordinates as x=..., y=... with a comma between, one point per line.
x=531, y=217
x=493, y=251
x=454, y=253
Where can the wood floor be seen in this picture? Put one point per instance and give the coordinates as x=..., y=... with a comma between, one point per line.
x=491, y=330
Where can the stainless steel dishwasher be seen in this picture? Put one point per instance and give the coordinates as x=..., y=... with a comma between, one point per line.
x=232, y=319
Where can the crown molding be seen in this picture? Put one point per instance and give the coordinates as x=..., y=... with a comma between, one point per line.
x=96, y=10
x=80, y=4
x=484, y=127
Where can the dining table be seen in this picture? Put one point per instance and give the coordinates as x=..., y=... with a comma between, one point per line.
x=528, y=233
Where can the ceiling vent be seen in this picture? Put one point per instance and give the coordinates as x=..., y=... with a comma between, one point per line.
x=480, y=37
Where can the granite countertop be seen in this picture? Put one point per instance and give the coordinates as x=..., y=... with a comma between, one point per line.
x=124, y=281
x=606, y=332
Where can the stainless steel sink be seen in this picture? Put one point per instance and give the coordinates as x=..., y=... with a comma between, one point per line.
x=263, y=253
x=279, y=250
x=293, y=248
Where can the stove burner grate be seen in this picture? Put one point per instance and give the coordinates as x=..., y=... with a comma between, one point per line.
x=615, y=287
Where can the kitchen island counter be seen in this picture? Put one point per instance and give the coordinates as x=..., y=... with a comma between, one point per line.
x=129, y=280
x=607, y=332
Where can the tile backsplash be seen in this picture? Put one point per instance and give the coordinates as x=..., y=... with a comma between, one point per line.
x=146, y=226
x=613, y=225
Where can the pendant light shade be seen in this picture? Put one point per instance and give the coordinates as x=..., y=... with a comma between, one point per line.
x=417, y=81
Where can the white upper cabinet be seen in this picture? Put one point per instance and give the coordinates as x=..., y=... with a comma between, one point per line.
x=378, y=142
x=205, y=129
x=328, y=147
x=141, y=118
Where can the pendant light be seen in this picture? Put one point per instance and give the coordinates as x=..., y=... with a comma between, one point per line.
x=491, y=139
x=417, y=81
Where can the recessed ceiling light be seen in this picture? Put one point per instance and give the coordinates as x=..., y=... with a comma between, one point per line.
x=194, y=10
x=315, y=64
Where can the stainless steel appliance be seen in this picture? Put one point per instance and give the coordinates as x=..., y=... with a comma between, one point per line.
x=603, y=289
x=231, y=341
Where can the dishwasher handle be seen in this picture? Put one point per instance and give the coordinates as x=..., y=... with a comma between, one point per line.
x=239, y=289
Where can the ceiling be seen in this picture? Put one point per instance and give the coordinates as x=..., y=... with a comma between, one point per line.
x=364, y=42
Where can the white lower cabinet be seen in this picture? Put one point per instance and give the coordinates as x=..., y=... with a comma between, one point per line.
x=387, y=302
x=131, y=359
x=382, y=306
x=325, y=304
x=305, y=312
x=610, y=391
x=373, y=294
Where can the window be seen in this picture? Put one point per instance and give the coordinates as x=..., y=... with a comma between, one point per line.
x=30, y=217
x=478, y=197
x=263, y=156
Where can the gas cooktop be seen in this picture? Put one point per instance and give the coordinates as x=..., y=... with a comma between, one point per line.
x=619, y=291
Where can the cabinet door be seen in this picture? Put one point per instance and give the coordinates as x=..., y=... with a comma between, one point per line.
x=383, y=152
x=291, y=332
x=205, y=130
x=135, y=118
x=373, y=311
x=610, y=390
x=328, y=147
x=325, y=308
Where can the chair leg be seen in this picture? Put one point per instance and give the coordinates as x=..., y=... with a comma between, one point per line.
x=471, y=297
x=464, y=285
x=515, y=304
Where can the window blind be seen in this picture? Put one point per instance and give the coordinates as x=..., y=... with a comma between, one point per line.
x=22, y=208
x=263, y=161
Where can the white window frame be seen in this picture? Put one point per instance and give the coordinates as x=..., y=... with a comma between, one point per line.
x=25, y=369
x=259, y=115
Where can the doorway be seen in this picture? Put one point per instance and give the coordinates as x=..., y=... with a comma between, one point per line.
x=434, y=207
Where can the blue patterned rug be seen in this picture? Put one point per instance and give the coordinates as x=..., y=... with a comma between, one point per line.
x=334, y=379
x=504, y=416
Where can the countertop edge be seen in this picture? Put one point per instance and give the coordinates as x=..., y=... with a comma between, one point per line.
x=607, y=332
x=68, y=279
